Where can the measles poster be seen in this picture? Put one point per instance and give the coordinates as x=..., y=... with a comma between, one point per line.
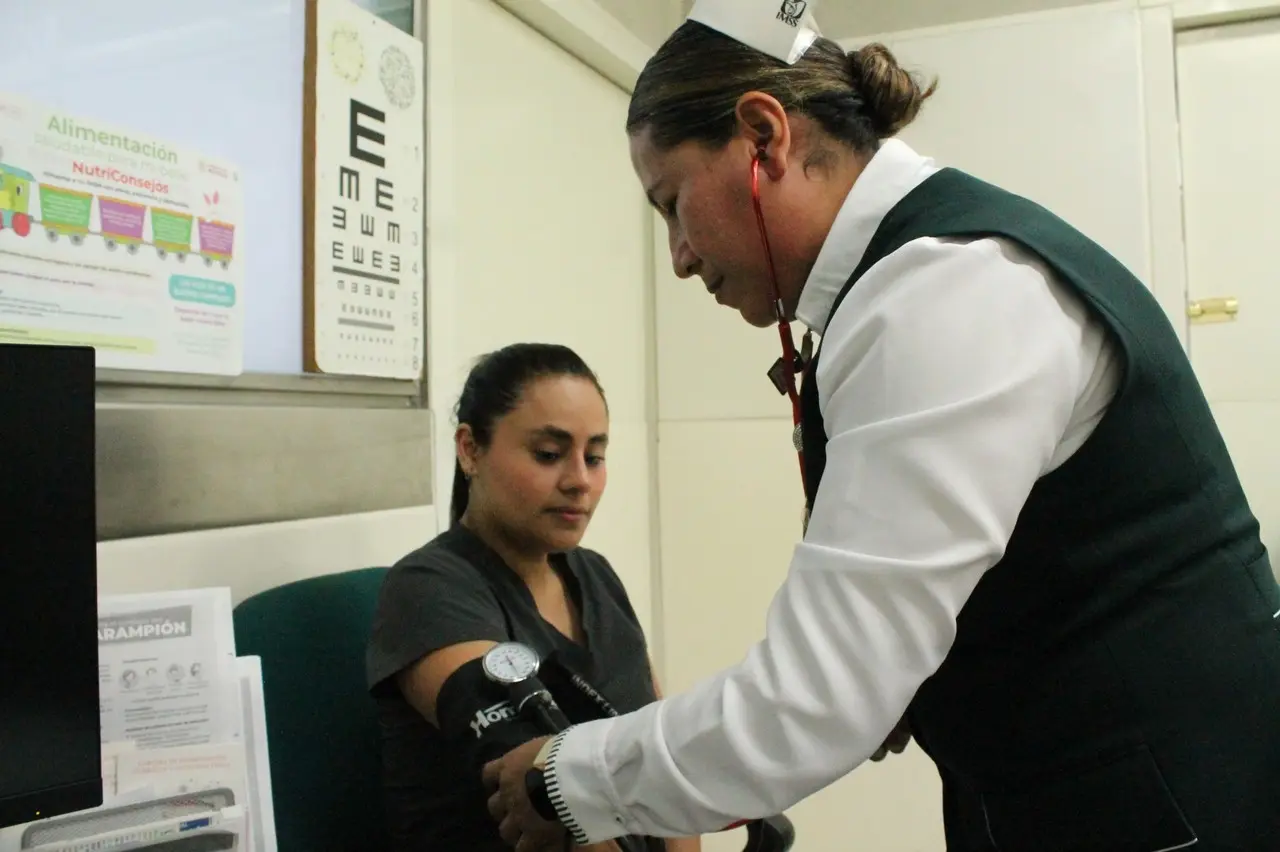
x=116, y=240
x=364, y=150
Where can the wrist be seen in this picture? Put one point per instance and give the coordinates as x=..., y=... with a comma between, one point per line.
x=540, y=759
x=555, y=791
x=535, y=784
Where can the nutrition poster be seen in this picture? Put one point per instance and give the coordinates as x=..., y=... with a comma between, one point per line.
x=363, y=268
x=113, y=239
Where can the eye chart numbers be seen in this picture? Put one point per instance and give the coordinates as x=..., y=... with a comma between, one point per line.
x=364, y=300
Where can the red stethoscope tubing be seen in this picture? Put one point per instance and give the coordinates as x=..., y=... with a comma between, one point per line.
x=784, y=327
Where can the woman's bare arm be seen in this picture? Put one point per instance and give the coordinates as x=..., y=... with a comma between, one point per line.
x=420, y=683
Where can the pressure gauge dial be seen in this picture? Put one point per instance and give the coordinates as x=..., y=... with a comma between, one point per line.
x=510, y=663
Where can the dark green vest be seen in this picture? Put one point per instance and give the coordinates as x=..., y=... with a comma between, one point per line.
x=1115, y=680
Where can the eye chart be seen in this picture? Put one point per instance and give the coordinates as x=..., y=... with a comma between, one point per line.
x=364, y=149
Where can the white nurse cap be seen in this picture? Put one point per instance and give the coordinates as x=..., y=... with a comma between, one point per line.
x=783, y=29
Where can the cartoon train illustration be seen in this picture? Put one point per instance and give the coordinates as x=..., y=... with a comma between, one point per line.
x=68, y=213
x=15, y=200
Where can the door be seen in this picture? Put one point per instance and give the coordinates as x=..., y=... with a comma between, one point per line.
x=1230, y=133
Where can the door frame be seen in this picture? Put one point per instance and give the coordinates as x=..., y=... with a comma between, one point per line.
x=1161, y=23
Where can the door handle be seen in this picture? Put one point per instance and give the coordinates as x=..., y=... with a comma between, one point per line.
x=1219, y=309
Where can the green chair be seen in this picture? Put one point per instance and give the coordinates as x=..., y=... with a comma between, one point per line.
x=322, y=730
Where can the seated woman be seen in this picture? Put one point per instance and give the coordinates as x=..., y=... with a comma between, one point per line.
x=531, y=438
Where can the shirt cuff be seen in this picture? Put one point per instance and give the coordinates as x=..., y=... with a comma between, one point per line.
x=579, y=786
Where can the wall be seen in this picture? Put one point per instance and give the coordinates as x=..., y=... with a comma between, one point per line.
x=176, y=451
x=1089, y=121
x=844, y=18
x=650, y=20
x=497, y=266
x=539, y=234
x=250, y=559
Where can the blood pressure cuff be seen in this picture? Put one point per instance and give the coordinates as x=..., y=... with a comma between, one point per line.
x=475, y=713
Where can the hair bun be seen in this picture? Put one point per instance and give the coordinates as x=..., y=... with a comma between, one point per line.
x=891, y=95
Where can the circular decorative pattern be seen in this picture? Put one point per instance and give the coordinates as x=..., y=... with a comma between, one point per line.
x=396, y=73
x=346, y=52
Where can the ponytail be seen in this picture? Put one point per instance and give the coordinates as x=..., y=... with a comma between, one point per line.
x=461, y=493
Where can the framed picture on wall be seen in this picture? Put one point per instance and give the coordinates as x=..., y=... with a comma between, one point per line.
x=364, y=154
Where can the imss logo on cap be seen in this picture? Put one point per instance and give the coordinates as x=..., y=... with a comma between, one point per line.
x=783, y=29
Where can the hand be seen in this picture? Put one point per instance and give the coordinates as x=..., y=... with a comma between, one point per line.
x=518, y=823
x=896, y=742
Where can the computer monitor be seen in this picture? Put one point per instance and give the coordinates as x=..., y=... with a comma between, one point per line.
x=50, y=741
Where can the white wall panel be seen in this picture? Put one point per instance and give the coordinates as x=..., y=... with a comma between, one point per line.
x=651, y=20
x=731, y=515
x=844, y=18
x=1069, y=132
x=552, y=244
x=732, y=507
x=622, y=528
x=711, y=364
x=251, y=559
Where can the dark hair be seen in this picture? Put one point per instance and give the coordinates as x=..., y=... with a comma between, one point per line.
x=690, y=88
x=493, y=389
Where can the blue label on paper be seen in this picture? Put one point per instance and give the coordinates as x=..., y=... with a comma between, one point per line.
x=184, y=288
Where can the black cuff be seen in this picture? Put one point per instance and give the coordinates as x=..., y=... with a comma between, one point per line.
x=557, y=799
x=535, y=785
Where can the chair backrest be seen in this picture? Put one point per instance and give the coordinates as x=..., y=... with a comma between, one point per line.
x=322, y=729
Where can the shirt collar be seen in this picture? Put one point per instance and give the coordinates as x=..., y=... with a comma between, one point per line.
x=892, y=173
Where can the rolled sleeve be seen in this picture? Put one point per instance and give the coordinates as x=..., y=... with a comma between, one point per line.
x=579, y=786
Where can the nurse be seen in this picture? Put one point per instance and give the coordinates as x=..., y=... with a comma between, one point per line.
x=1025, y=535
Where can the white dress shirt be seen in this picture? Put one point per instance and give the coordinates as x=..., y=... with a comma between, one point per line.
x=954, y=375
